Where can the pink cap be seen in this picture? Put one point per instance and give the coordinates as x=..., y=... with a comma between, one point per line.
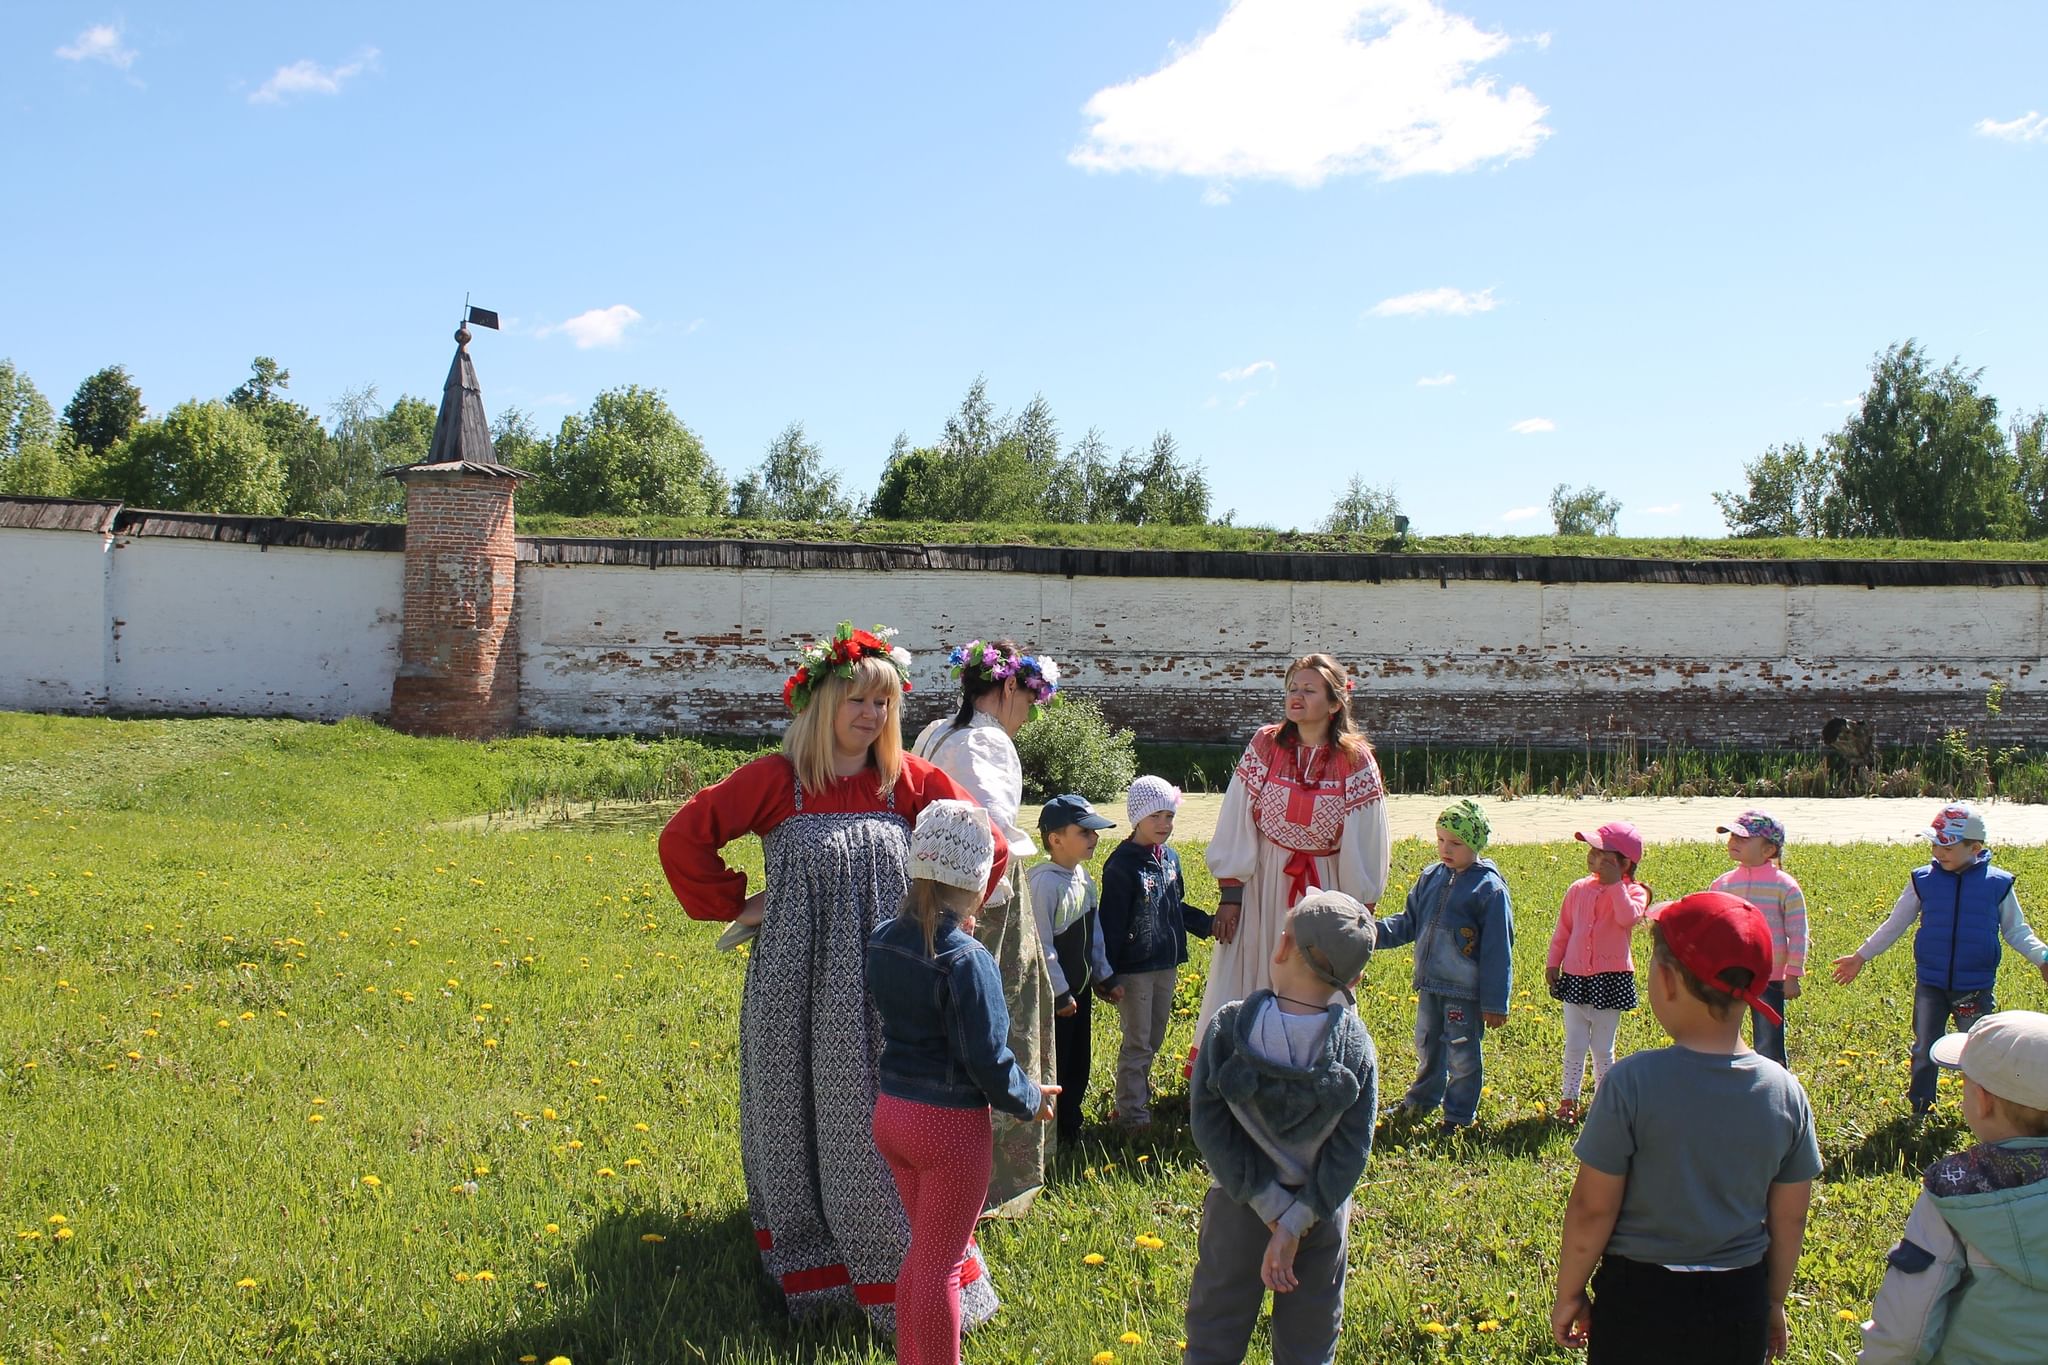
x=1616, y=836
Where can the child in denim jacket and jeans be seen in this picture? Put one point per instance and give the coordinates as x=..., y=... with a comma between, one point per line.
x=1286, y=1082
x=1462, y=922
x=1146, y=921
x=945, y=1059
x=1964, y=905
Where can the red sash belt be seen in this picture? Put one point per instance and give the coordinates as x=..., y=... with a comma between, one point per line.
x=1301, y=870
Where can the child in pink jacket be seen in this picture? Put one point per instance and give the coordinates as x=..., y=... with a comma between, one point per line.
x=1590, y=967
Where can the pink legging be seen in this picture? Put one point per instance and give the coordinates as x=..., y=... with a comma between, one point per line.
x=941, y=1160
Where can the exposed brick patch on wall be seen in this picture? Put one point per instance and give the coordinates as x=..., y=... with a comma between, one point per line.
x=458, y=671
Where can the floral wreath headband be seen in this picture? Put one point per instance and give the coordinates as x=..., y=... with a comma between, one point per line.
x=837, y=654
x=1037, y=674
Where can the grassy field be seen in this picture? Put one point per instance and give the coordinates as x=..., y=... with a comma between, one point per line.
x=1116, y=536
x=294, y=1067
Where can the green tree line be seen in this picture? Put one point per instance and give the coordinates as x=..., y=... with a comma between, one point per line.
x=258, y=451
x=1922, y=455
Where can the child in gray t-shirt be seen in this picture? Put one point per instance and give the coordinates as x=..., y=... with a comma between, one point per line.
x=1695, y=1165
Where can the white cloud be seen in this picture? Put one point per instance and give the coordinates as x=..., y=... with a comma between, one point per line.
x=1521, y=513
x=1301, y=90
x=100, y=43
x=1669, y=509
x=1456, y=303
x=1247, y=371
x=1844, y=403
x=598, y=327
x=2031, y=126
x=311, y=78
x=1436, y=381
x=1529, y=426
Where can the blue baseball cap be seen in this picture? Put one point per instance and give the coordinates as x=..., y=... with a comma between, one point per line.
x=1070, y=809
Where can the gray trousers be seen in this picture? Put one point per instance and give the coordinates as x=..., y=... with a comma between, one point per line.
x=1223, y=1300
x=1145, y=1009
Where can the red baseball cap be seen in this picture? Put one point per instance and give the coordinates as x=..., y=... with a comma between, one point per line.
x=1616, y=836
x=1711, y=931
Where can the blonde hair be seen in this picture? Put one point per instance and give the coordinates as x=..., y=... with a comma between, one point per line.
x=1344, y=730
x=927, y=900
x=807, y=743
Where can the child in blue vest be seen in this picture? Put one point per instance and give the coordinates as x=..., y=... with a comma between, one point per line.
x=1964, y=906
x=1462, y=922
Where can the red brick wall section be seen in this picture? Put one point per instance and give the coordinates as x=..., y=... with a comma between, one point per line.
x=458, y=670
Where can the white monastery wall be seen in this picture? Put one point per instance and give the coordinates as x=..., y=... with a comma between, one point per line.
x=53, y=620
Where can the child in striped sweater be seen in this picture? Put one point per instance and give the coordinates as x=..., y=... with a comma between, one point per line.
x=1756, y=842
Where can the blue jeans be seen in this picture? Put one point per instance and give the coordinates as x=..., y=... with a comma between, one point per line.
x=1766, y=1037
x=1448, y=1067
x=1933, y=1007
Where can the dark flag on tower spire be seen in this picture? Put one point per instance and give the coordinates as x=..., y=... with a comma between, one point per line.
x=484, y=317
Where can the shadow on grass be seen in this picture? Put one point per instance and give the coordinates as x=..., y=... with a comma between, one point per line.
x=1899, y=1147
x=696, y=1295
x=1517, y=1137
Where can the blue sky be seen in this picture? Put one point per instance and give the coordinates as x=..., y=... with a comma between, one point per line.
x=1471, y=250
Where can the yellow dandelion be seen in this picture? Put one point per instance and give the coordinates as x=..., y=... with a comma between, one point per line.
x=63, y=1234
x=32, y=1235
x=316, y=1118
x=1092, y=1258
x=1845, y=1315
x=575, y=1144
x=222, y=1023
x=245, y=1283
x=484, y=1276
x=548, y=1114
x=57, y=1220
x=551, y=1229
x=558, y=1360
x=1490, y=1325
x=1436, y=1329
x=462, y=1277
x=248, y=1014
x=149, y=1033
x=372, y=1181
x=1131, y=1339
x=490, y=1042
x=481, y=1168
x=316, y=1101
x=529, y=1360
x=134, y=1056
x=632, y=1161
x=1103, y=1358
x=639, y=1127
x=652, y=1237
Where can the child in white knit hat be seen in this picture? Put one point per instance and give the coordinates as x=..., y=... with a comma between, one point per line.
x=1146, y=921
x=945, y=1060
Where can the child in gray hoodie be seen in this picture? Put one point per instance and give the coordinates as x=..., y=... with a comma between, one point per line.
x=1969, y=1280
x=1282, y=1108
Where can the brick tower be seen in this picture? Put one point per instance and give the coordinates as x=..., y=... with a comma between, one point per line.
x=458, y=667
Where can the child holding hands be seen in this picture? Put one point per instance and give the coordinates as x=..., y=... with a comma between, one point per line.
x=945, y=1059
x=1282, y=1109
x=1590, y=967
x=1064, y=904
x=1964, y=905
x=1695, y=1167
x=1966, y=1282
x=1756, y=842
x=1462, y=922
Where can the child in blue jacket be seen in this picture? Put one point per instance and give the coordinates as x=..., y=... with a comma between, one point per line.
x=1146, y=921
x=1964, y=905
x=1462, y=922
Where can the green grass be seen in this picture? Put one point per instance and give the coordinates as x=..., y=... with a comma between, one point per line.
x=208, y=926
x=1261, y=538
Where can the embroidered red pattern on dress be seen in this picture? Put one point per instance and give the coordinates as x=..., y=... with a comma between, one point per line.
x=1330, y=789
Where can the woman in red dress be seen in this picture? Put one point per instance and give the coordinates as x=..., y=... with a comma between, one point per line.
x=834, y=811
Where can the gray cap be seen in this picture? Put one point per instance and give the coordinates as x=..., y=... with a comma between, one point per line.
x=1335, y=935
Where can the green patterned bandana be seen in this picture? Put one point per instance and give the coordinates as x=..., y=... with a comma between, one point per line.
x=1468, y=822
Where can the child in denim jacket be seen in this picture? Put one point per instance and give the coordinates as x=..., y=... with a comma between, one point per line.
x=945, y=1060
x=1462, y=922
x=1282, y=1107
x=1146, y=921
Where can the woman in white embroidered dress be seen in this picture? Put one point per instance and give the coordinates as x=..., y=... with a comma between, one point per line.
x=1305, y=808
x=1000, y=690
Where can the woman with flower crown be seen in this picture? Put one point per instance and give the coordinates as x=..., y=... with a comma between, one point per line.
x=1305, y=809
x=834, y=810
x=1000, y=690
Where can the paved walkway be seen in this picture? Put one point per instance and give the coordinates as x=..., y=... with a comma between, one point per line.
x=1662, y=819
